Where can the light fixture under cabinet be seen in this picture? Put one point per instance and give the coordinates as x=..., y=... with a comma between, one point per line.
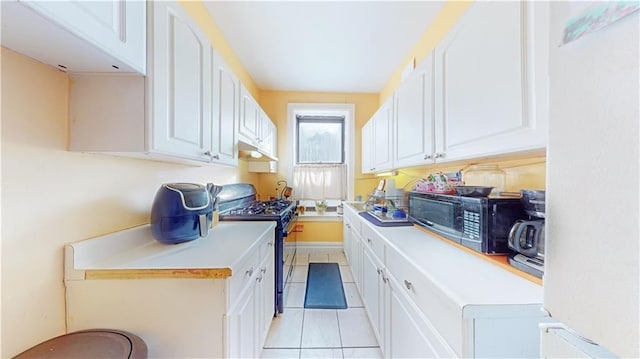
x=386, y=174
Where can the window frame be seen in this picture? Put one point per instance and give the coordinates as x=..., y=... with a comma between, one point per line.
x=348, y=110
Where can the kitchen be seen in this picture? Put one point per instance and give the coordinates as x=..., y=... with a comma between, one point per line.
x=52, y=196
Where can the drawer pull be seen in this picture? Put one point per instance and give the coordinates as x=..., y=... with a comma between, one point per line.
x=249, y=272
x=385, y=279
x=263, y=270
x=408, y=284
x=259, y=279
x=369, y=240
x=379, y=271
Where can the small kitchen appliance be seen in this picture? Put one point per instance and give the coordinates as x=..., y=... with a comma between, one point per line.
x=181, y=212
x=238, y=202
x=526, y=237
x=479, y=223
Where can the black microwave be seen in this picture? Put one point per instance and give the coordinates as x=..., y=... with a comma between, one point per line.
x=479, y=223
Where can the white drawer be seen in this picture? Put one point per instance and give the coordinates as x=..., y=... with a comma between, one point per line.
x=242, y=277
x=445, y=316
x=374, y=242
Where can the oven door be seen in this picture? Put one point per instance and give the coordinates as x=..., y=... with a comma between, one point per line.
x=439, y=213
x=290, y=249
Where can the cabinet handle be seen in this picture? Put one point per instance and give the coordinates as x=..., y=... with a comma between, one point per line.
x=348, y=226
x=384, y=279
x=408, y=284
x=249, y=272
x=438, y=155
x=263, y=270
x=379, y=271
x=427, y=157
x=259, y=279
x=270, y=244
x=207, y=153
x=216, y=157
x=369, y=240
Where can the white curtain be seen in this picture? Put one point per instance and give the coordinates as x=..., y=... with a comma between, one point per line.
x=320, y=181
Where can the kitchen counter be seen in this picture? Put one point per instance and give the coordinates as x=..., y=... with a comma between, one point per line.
x=466, y=278
x=134, y=253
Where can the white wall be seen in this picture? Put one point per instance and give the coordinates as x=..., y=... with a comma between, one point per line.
x=592, y=277
x=51, y=197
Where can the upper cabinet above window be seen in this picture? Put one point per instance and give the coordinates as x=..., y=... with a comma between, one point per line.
x=78, y=36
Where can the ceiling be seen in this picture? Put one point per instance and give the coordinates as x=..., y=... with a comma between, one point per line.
x=322, y=46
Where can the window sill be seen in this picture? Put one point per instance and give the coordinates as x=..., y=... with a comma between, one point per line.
x=310, y=216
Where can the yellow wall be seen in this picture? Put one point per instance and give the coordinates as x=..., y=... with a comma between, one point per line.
x=440, y=26
x=275, y=104
x=51, y=197
x=319, y=232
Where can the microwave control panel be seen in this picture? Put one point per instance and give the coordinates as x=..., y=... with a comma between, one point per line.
x=471, y=224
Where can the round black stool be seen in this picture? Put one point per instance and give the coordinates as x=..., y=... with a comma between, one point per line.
x=92, y=343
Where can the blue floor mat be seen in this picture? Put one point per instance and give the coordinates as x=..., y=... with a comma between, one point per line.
x=324, y=287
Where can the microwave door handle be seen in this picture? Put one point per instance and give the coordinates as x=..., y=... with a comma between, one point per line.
x=426, y=223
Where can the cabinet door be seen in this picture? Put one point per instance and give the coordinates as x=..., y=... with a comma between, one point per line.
x=414, y=119
x=268, y=134
x=115, y=26
x=265, y=301
x=249, y=117
x=383, y=137
x=367, y=144
x=486, y=75
x=372, y=292
x=406, y=328
x=242, y=327
x=225, y=112
x=181, y=84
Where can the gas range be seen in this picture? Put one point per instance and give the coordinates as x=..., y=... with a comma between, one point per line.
x=237, y=202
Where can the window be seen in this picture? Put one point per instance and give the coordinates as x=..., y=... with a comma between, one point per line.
x=321, y=144
x=319, y=139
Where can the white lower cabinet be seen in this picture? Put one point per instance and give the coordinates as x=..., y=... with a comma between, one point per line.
x=410, y=335
x=420, y=313
x=183, y=317
x=248, y=324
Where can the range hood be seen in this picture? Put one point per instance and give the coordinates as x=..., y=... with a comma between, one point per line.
x=249, y=150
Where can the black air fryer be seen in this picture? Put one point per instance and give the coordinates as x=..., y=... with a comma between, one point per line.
x=181, y=212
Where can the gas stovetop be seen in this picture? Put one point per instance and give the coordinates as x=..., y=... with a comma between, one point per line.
x=262, y=208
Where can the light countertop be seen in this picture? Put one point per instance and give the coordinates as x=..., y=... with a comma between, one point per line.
x=135, y=249
x=466, y=278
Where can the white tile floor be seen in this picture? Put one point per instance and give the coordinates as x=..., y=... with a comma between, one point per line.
x=321, y=333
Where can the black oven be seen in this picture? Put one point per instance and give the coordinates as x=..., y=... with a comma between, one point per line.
x=479, y=223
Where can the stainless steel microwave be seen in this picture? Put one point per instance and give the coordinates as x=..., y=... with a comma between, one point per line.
x=480, y=223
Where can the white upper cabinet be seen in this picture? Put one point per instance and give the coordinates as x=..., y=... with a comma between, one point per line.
x=181, y=82
x=249, y=118
x=185, y=110
x=225, y=114
x=414, y=118
x=491, y=81
x=268, y=135
x=377, y=140
x=256, y=131
x=79, y=36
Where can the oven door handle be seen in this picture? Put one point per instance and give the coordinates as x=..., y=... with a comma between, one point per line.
x=291, y=226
